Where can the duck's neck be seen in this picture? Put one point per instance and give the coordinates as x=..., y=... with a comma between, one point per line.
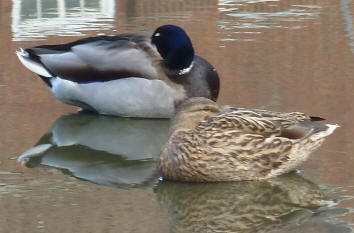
x=181, y=121
x=180, y=59
x=187, y=120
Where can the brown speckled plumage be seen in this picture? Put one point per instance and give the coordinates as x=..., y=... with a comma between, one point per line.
x=210, y=143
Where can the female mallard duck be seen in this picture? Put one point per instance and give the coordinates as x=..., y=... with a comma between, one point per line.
x=134, y=75
x=212, y=143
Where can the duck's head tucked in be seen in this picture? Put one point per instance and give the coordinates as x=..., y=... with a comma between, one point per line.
x=212, y=143
x=192, y=111
x=174, y=46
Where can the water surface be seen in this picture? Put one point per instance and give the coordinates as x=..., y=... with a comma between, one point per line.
x=98, y=173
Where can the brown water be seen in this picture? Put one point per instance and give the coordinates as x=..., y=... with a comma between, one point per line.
x=289, y=55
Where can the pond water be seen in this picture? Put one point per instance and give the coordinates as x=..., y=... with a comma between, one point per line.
x=96, y=173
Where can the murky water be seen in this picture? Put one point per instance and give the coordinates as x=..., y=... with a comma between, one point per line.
x=96, y=173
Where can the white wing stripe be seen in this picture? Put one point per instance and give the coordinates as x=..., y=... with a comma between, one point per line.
x=32, y=65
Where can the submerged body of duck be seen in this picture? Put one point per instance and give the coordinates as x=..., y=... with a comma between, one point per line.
x=211, y=143
x=133, y=75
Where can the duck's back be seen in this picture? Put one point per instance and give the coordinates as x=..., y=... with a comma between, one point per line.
x=101, y=58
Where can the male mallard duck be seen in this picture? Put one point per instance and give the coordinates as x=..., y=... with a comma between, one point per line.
x=212, y=143
x=134, y=75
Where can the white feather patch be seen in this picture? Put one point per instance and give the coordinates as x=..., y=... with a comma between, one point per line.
x=186, y=70
x=33, y=152
x=322, y=134
x=32, y=65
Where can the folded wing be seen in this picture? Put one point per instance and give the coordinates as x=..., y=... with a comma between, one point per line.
x=95, y=59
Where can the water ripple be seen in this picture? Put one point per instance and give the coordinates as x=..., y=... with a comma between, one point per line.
x=254, y=17
x=33, y=20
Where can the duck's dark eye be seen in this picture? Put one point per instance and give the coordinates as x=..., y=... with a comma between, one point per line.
x=206, y=109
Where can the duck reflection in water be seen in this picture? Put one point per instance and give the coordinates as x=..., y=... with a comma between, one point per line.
x=280, y=204
x=105, y=150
